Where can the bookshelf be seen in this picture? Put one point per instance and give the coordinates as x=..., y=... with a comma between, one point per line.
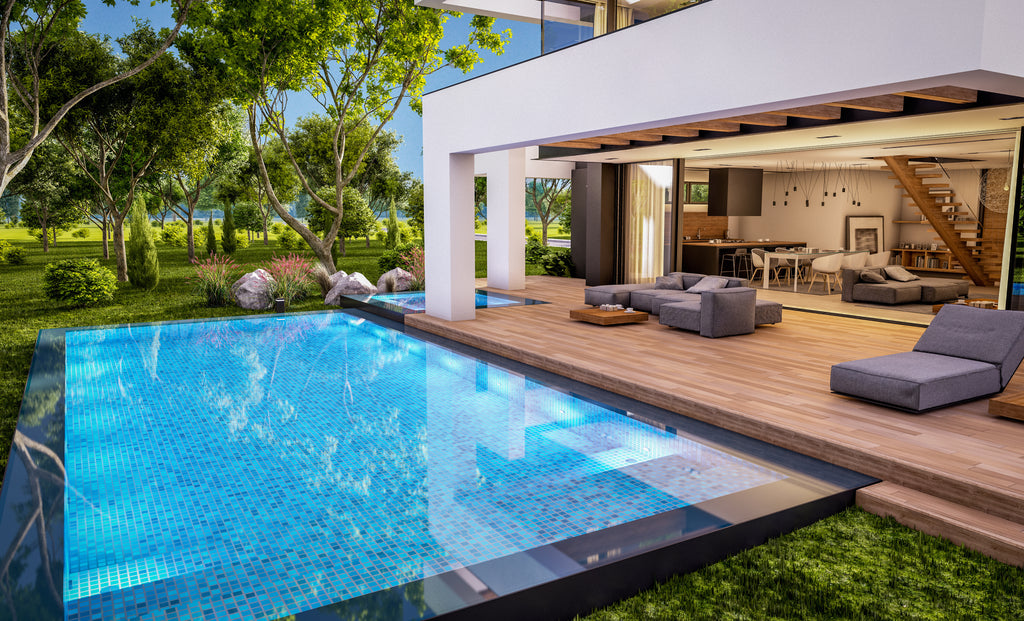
x=926, y=260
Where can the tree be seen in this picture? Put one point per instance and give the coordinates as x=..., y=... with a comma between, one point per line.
x=10, y=206
x=34, y=36
x=211, y=238
x=360, y=59
x=394, y=238
x=250, y=182
x=359, y=219
x=547, y=197
x=125, y=132
x=248, y=217
x=479, y=200
x=45, y=184
x=143, y=264
x=227, y=232
x=414, y=207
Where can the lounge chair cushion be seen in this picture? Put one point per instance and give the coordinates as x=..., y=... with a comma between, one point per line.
x=611, y=294
x=992, y=336
x=668, y=297
x=766, y=311
x=916, y=380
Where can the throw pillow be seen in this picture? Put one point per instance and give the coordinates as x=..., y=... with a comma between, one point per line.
x=895, y=272
x=709, y=283
x=672, y=281
x=872, y=276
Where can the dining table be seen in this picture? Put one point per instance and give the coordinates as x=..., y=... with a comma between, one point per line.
x=796, y=256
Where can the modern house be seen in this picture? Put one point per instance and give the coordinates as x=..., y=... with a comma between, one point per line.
x=821, y=115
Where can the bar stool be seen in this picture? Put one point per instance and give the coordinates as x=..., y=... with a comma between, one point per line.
x=736, y=263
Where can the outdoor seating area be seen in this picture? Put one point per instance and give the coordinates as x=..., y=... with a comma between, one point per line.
x=714, y=306
x=965, y=353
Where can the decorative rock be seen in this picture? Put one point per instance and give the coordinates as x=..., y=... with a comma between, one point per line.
x=353, y=284
x=254, y=290
x=402, y=281
x=336, y=276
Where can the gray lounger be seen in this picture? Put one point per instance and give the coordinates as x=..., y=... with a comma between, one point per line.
x=965, y=354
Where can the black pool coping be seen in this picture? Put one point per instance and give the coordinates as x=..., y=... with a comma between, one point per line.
x=397, y=313
x=555, y=581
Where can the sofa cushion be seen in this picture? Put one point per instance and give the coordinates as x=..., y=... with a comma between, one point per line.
x=892, y=292
x=641, y=299
x=610, y=294
x=995, y=337
x=682, y=315
x=915, y=380
x=708, y=283
x=871, y=276
x=672, y=281
x=766, y=311
x=690, y=280
x=932, y=291
x=727, y=312
x=668, y=297
x=897, y=273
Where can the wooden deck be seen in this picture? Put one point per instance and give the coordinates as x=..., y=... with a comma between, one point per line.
x=773, y=385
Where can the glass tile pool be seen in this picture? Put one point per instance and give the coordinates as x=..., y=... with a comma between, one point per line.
x=395, y=305
x=262, y=467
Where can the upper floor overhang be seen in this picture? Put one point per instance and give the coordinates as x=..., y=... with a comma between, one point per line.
x=518, y=10
x=730, y=60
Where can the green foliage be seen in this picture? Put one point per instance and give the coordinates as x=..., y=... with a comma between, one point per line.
x=414, y=207
x=211, y=238
x=14, y=255
x=247, y=217
x=276, y=228
x=83, y=233
x=143, y=265
x=558, y=262
x=531, y=234
x=290, y=240
x=241, y=240
x=394, y=238
x=535, y=250
x=393, y=257
x=79, y=282
x=565, y=220
x=213, y=278
x=176, y=234
x=51, y=235
x=227, y=232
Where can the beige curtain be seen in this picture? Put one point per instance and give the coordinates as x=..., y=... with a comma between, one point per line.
x=644, y=221
x=623, y=18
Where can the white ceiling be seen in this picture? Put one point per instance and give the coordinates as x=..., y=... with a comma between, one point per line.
x=987, y=135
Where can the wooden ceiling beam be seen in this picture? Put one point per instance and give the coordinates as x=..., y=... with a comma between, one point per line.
x=948, y=94
x=642, y=136
x=767, y=120
x=715, y=126
x=819, y=113
x=678, y=131
x=573, y=144
x=881, y=103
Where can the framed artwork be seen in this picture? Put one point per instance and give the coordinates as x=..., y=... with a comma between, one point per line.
x=864, y=233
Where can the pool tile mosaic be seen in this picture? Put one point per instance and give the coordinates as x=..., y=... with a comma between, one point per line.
x=260, y=467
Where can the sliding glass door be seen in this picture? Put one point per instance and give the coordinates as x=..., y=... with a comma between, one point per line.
x=646, y=220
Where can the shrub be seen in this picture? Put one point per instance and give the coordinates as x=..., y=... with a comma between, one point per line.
x=531, y=234
x=79, y=282
x=390, y=259
x=37, y=234
x=211, y=239
x=4, y=247
x=155, y=224
x=276, y=228
x=140, y=251
x=229, y=239
x=558, y=262
x=535, y=250
x=81, y=233
x=288, y=239
x=292, y=276
x=176, y=234
x=414, y=264
x=213, y=278
x=241, y=240
x=15, y=255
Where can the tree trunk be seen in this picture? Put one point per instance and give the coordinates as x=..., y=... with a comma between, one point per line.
x=367, y=240
x=190, y=240
x=54, y=235
x=119, y=250
x=46, y=235
x=105, y=233
x=323, y=253
x=266, y=237
x=544, y=232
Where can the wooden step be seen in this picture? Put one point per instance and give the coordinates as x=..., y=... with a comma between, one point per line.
x=993, y=536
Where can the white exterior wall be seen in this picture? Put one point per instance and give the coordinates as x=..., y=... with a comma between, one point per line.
x=747, y=56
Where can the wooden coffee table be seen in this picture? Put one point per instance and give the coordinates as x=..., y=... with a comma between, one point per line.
x=968, y=302
x=607, y=318
x=1008, y=405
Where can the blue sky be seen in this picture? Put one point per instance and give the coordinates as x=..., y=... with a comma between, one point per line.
x=525, y=44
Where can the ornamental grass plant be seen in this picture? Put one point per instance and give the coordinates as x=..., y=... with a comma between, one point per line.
x=293, y=274
x=213, y=278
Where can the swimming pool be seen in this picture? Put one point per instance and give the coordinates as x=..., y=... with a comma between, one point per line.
x=323, y=464
x=396, y=305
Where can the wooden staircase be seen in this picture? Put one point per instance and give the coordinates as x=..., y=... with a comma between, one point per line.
x=958, y=229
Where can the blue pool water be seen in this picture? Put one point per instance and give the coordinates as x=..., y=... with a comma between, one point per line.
x=259, y=467
x=410, y=302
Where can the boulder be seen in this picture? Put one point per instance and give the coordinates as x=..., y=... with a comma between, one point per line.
x=254, y=291
x=353, y=284
x=336, y=276
x=402, y=281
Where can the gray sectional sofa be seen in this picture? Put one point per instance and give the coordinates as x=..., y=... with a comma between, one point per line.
x=718, y=306
x=966, y=353
x=920, y=291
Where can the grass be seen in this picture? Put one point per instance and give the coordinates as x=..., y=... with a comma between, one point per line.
x=853, y=565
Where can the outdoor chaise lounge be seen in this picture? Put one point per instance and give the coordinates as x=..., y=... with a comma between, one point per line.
x=965, y=354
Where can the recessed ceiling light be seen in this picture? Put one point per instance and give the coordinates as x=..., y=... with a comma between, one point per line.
x=832, y=136
x=1011, y=118
x=608, y=159
x=703, y=149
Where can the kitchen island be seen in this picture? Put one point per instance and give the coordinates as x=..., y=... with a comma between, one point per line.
x=705, y=256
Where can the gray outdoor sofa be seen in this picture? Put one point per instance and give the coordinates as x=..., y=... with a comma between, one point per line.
x=965, y=354
x=919, y=291
x=728, y=309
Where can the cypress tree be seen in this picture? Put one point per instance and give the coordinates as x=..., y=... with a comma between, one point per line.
x=227, y=231
x=394, y=238
x=140, y=251
x=211, y=238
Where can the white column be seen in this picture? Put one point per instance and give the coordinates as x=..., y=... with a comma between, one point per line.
x=448, y=231
x=506, y=219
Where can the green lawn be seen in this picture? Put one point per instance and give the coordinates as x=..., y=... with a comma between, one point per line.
x=853, y=566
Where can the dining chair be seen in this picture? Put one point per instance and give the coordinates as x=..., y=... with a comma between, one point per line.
x=757, y=260
x=828, y=267
x=853, y=261
x=879, y=259
x=786, y=265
